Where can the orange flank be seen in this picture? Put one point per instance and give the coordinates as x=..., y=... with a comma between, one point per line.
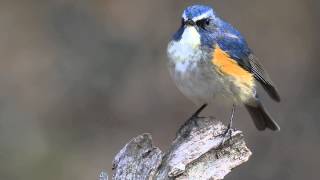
x=228, y=66
x=225, y=65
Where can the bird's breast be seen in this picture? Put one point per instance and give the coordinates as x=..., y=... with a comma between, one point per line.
x=205, y=76
x=179, y=51
x=196, y=80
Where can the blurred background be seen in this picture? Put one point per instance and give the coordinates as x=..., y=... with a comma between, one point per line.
x=79, y=79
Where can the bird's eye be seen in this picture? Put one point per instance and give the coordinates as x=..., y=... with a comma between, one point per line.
x=203, y=22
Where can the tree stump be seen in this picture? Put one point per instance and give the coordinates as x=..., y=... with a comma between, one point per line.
x=199, y=151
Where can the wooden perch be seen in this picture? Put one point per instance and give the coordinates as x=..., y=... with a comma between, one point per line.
x=199, y=151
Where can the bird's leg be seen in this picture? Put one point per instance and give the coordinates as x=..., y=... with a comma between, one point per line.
x=195, y=115
x=198, y=111
x=228, y=130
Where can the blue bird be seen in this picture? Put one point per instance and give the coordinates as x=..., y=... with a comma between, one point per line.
x=211, y=62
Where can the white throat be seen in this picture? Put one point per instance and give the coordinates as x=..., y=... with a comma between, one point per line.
x=187, y=48
x=190, y=37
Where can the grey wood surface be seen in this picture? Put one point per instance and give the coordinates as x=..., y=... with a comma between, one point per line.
x=199, y=151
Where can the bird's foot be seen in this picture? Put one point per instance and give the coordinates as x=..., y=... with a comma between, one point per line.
x=192, y=120
x=196, y=116
x=226, y=135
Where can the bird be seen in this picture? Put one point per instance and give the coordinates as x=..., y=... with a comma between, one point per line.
x=211, y=62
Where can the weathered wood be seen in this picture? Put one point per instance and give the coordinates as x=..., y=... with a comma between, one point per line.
x=199, y=151
x=138, y=159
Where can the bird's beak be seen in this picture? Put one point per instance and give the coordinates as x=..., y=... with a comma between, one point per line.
x=190, y=22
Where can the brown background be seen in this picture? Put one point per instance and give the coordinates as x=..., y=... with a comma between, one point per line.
x=80, y=78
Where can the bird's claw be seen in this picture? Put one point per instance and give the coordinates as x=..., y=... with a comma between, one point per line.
x=226, y=135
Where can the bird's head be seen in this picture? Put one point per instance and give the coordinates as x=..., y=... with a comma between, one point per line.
x=198, y=15
x=199, y=24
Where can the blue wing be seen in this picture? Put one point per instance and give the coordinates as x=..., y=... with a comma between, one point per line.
x=235, y=45
x=237, y=49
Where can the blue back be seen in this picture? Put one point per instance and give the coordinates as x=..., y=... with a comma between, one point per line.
x=227, y=37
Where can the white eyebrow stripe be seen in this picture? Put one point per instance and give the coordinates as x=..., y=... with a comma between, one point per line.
x=184, y=16
x=202, y=16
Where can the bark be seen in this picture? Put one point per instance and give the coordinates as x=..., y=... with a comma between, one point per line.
x=199, y=151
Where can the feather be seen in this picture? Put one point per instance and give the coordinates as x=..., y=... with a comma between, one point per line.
x=239, y=51
x=262, y=76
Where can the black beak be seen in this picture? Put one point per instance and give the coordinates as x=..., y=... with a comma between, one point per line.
x=189, y=22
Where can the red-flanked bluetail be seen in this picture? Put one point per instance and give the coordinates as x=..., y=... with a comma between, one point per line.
x=211, y=62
